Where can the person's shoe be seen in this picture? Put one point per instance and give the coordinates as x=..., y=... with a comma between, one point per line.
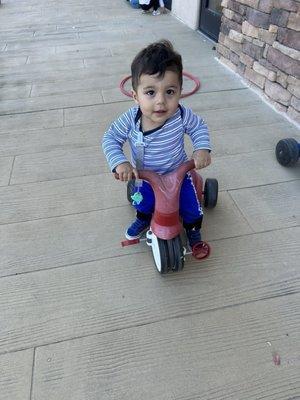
x=136, y=229
x=193, y=236
x=157, y=12
x=145, y=11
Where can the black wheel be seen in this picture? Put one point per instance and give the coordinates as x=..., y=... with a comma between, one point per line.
x=287, y=152
x=211, y=189
x=168, y=254
x=130, y=190
x=160, y=251
x=178, y=252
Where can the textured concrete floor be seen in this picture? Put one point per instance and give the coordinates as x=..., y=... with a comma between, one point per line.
x=82, y=318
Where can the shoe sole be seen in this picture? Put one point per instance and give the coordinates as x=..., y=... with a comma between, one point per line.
x=128, y=237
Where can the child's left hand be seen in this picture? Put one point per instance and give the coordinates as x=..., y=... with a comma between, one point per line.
x=202, y=158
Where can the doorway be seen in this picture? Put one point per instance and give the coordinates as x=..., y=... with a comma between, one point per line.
x=210, y=18
x=168, y=4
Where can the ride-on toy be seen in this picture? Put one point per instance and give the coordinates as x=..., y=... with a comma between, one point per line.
x=165, y=233
x=287, y=152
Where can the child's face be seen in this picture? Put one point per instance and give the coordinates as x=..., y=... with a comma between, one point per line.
x=158, y=98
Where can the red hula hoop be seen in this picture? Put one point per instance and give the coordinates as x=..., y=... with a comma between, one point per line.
x=186, y=74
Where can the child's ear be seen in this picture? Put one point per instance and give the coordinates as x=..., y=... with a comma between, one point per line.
x=134, y=96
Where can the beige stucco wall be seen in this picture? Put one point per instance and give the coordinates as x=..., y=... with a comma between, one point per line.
x=187, y=11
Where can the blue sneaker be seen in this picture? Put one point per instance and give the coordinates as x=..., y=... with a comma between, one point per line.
x=136, y=229
x=194, y=236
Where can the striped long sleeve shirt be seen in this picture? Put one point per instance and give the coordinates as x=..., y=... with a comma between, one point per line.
x=163, y=147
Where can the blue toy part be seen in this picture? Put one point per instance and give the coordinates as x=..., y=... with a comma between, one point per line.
x=134, y=3
x=137, y=198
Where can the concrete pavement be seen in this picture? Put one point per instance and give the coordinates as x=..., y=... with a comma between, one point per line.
x=82, y=318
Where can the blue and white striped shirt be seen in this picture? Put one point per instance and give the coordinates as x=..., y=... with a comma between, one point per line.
x=163, y=148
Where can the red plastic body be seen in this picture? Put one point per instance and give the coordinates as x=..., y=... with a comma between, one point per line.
x=165, y=222
x=130, y=242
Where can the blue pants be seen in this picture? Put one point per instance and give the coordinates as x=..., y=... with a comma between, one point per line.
x=189, y=206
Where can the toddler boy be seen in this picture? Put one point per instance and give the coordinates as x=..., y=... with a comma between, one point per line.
x=155, y=130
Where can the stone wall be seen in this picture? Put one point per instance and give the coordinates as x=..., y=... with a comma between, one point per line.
x=260, y=39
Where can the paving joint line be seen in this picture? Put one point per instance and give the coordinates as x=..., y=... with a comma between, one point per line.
x=157, y=321
x=122, y=206
x=56, y=179
x=32, y=374
x=70, y=265
x=61, y=108
x=95, y=146
x=98, y=104
x=262, y=185
x=11, y=171
x=61, y=215
x=241, y=212
x=141, y=252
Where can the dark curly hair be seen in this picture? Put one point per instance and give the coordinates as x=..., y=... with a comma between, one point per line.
x=157, y=58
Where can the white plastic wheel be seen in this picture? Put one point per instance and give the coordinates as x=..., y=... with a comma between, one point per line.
x=159, y=251
x=153, y=243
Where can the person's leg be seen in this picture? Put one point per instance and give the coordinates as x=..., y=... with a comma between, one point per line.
x=190, y=210
x=146, y=7
x=144, y=211
x=155, y=4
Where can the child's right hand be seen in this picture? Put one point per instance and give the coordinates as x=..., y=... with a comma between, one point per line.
x=125, y=172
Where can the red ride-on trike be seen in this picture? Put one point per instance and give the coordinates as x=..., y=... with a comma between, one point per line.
x=166, y=231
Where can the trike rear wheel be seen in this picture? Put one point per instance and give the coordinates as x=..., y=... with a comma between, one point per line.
x=211, y=189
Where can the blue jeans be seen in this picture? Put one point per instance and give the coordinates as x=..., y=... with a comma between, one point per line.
x=190, y=208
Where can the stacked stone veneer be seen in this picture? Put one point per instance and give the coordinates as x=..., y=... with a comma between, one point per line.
x=260, y=39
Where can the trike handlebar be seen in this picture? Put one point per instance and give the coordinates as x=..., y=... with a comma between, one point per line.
x=153, y=178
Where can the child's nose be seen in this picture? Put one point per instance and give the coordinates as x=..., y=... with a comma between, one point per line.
x=160, y=98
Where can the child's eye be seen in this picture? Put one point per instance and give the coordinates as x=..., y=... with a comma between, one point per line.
x=170, y=91
x=150, y=93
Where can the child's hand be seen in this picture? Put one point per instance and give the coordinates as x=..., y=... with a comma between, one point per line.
x=202, y=158
x=125, y=172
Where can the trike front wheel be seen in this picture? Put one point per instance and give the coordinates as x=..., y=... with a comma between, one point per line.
x=168, y=255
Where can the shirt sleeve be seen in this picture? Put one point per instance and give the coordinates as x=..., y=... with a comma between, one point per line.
x=161, y=3
x=196, y=128
x=114, y=139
